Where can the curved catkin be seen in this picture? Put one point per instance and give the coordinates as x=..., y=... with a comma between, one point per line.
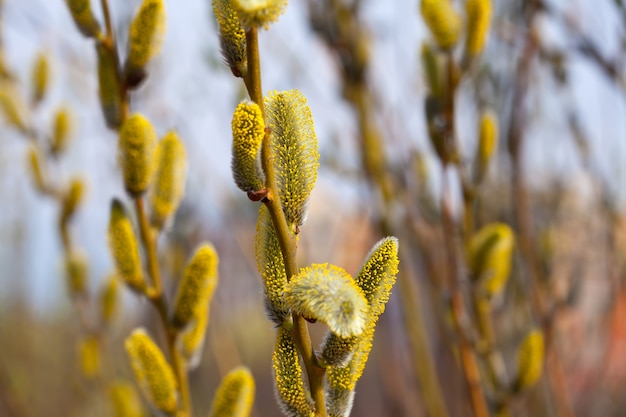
x=295, y=151
x=478, y=22
x=61, y=130
x=40, y=77
x=328, y=293
x=191, y=340
x=259, y=13
x=197, y=285
x=232, y=37
x=34, y=163
x=125, y=400
x=109, y=87
x=248, y=129
x=137, y=146
x=530, y=360
x=293, y=399
x=152, y=371
x=83, y=17
x=109, y=299
x=76, y=271
x=271, y=266
x=146, y=34
x=343, y=379
x=168, y=186
x=235, y=395
x=89, y=352
x=490, y=253
x=443, y=21
x=124, y=248
x=72, y=198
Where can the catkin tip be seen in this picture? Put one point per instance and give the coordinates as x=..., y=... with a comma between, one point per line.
x=259, y=13
x=443, y=21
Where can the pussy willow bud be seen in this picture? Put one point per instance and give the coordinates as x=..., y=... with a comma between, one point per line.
x=13, y=108
x=232, y=37
x=530, y=360
x=34, y=163
x=169, y=179
x=40, y=77
x=235, y=395
x=339, y=402
x=124, y=248
x=329, y=294
x=248, y=129
x=83, y=17
x=443, y=21
x=259, y=13
x=197, y=286
x=61, y=130
x=109, y=87
x=72, y=199
x=191, y=340
x=152, y=371
x=487, y=142
x=125, y=401
x=76, y=271
x=109, y=299
x=89, y=351
x=478, y=21
x=137, y=146
x=490, y=253
x=146, y=34
x=295, y=151
x=293, y=399
x=343, y=379
x=271, y=266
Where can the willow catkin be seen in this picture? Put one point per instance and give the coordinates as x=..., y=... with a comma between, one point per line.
x=490, y=253
x=89, y=351
x=487, y=142
x=530, y=357
x=232, y=37
x=248, y=129
x=109, y=86
x=40, y=77
x=259, y=13
x=61, y=130
x=13, y=108
x=137, y=146
x=235, y=395
x=478, y=21
x=83, y=17
x=109, y=299
x=76, y=271
x=146, y=34
x=125, y=400
x=34, y=165
x=443, y=21
x=72, y=199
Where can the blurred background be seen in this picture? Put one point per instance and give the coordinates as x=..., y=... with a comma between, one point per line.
x=553, y=72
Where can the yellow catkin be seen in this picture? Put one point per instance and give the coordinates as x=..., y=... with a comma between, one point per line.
x=152, y=372
x=232, y=37
x=339, y=402
x=192, y=338
x=343, y=379
x=125, y=400
x=271, y=266
x=432, y=70
x=487, y=141
x=168, y=187
x=34, y=164
x=124, y=248
x=76, y=271
x=293, y=398
x=83, y=17
x=72, y=198
x=490, y=254
x=443, y=21
x=235, y=395
x=137, y=147
x=109, y=299
x=89, y=351
x=146, y=34
x=197, y=285
x=12, y=108
x=61, y=130
x=295, y=151
x=530, y=360
x=248, y=129
x=478, y=22
x=328, y=293
x=40, y=77
x=109, y=87
x=259, y=13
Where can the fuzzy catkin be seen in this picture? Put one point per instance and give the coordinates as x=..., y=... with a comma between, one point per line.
x=490, y=253
x=235, y=395
x=530, y=357
x=76, y=271
x=89, y=351
x=146, y=34
x=83, y=17
x=34, y=163
x=232, y=37
x=109, y=87
x=478, y=22
x=137, y=146
x=72, y=198
x=125, y=400
x=61, y=130
x=487, y=138
x=443, y=21
x=109, y=299
x=248, y=129
x=192, y=337
x=40, y=77
x=124, y=248
x=259, y=13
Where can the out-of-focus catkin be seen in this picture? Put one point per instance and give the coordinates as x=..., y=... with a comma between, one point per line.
x=443, y=21
x=248, y=129
x=40, y=77
x=197, y=285
x=137, y=146
x=530, y=360
x=146, y=34
x=72, y=199
x=125, y=400
x=235, y=395
x=478, y=22
x=168, y=186
x=13, y=108
x=89, y=352
x=232, y=37
x=76, y=271
x=259, y=13
x=487, y=142
x=124, y=248
x=152, y=371
x=83, y=17
x=34, y=163
x=109, y=87
x=490, y=253
x=109, y=299
x=61, y=130
x=192, y=338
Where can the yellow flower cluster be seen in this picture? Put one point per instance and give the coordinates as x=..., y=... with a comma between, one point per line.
x=40, y=77
x=490, y=254
x=146, y=34
x=530, y=360
x=169, y=179
x=443, y=21
x=124, y=248
x=83, y=17
x=235, y=395
x=259, y=13
x=293, y=399
x=152, y=372
x=61, y=130
x=137, y=146
x=109, y=301
x=248, y=129
x=232, y=37
x=192, y=338
x=125, y=401
x=76, y=271
x=478, y=22
x=295, y=151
